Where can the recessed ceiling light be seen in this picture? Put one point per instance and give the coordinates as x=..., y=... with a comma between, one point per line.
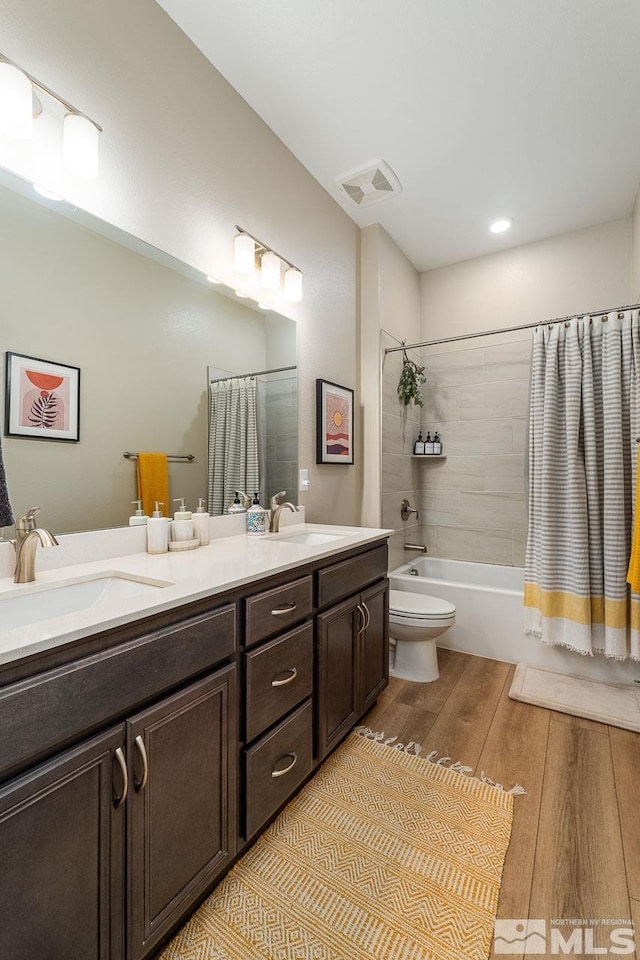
x=213, y=279
x=500, y=224
x=49, y=194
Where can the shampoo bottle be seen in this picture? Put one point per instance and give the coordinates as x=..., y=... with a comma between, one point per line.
x=139, y=517
x=256, y=519
x=428, y=445
x=418, y=447
x=182, y=528
x=201, y=523
x=437, y=444
x=157, y=531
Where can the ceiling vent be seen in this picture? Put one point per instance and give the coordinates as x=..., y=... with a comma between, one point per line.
x=376, y=182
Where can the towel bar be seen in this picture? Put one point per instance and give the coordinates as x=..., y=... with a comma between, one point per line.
x=170, y=456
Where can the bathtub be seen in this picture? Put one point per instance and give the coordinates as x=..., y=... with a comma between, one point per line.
x=489, y=622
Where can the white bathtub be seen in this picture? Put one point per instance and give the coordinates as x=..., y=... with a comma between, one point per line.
x=489, y=621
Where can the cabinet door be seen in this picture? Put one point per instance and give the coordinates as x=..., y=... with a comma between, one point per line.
x=337, y=673
x=374, y=645
x=61, y=856
x=181, y=816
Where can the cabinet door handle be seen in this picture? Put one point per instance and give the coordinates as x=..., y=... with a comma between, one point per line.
x=363, y=621
x=368, y=614
x=122, y=763
x=281, y=773
x=282, y=683
x=141, y=784
x=285, y=608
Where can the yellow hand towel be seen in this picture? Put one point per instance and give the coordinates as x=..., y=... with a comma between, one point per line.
x=153, y=482
x=633, y=574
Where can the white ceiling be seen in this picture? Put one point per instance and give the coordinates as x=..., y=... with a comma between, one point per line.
x=525, y=108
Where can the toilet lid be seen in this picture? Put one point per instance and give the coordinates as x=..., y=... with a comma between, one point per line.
x=404, y=604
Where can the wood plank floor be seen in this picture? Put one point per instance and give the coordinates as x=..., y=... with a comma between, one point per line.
x=575, y=844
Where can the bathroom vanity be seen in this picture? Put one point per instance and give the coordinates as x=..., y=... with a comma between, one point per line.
x=141, y=754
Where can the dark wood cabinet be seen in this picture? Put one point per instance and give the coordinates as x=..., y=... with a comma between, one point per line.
x=353, y=662
x=181, y=811
x=61, y=856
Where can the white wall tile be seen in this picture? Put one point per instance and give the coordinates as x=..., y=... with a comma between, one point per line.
x=504, y=474
x=493, y=511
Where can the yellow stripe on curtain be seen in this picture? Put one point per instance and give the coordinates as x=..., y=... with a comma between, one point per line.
x=567, y=606
x=633, y=573
x=153, y=482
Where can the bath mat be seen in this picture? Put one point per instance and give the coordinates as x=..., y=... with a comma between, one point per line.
x=617, y=704
x=381, y=855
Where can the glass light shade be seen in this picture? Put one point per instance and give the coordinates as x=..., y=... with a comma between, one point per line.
x=16, y=102
x=80, y=146
x=244, y=253
x=292, y=285
x=270, y=270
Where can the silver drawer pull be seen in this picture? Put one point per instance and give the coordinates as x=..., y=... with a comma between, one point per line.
x=118, y=801
x=285, y=608
x=281, y=773
x=283, y=683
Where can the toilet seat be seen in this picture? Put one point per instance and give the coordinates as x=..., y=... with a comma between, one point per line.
x=406, y=607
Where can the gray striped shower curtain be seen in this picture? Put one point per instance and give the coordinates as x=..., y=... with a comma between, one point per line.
x=584, y=419
x=233, y=441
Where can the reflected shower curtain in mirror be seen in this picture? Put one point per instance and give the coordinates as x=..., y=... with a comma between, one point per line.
x=583, y=423
x=233, y=441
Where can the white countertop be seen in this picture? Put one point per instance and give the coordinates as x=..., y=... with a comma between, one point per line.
x=222, y=565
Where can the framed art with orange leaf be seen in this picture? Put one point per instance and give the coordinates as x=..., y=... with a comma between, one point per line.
x=334, y=423
x=42, y=399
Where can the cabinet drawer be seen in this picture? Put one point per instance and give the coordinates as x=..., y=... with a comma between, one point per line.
x=279, y=675
x=276, y=765
x=349, y=576
x=59, y=706
x=274, y=610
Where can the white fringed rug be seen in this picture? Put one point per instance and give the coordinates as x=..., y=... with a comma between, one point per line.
x=614, y=703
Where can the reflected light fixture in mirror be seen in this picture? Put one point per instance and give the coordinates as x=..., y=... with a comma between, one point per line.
x=80, y=134
x=293, y=285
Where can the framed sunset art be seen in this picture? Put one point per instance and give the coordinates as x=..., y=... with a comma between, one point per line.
x=42, y=399
x=334, y=423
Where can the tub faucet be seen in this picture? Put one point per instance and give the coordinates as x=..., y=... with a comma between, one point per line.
x=420, y=547
x=27, y=538
x=276, y=510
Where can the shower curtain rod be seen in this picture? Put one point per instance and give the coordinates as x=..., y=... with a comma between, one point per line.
x=524, y=326
x=257, y=373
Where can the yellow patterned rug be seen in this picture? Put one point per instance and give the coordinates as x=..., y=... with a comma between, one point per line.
x=382, y=855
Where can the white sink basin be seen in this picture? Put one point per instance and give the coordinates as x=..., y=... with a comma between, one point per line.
x=311, y=539
x=35, y=603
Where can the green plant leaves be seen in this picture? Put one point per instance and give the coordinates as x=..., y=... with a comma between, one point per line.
x=411, y=379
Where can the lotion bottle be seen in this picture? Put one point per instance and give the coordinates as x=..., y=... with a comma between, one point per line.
x=139, y=517
x=201, y=523
x=256, y=519
x=158, y=531
x=182, y=528
x=437, y=445
x=428, y=445
x=418, y=447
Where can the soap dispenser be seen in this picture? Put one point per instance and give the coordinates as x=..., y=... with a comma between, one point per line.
x=157, y=531
x=182, y=528
x=236, y=506
x=256, y=519
x=201, y=523
x=139, y=517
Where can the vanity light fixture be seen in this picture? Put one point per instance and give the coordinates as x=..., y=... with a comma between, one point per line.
x=501, y=224
x=249, y=248
x=80, y=134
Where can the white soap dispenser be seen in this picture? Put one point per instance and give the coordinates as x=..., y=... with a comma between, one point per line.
x=256, y=519
x=236, y=506
x=182, y=527
x=157, y=531
x=201, y=523
x=139, y=517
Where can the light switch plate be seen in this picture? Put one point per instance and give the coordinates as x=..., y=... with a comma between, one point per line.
x=305, y=483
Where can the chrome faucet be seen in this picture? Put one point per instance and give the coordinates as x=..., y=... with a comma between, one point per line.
x=27, y=538
x=420, y=547
x=406, y=510
x=276, y=510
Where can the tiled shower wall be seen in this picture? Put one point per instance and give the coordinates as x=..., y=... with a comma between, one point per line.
x=281, y=432
x=472, y=504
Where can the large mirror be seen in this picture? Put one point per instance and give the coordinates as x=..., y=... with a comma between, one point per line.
x=148, y=334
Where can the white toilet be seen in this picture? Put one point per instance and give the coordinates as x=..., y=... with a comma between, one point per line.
x=415, y=621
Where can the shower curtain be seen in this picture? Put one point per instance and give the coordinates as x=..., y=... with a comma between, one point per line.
x=233, y=441
x=584, y=420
